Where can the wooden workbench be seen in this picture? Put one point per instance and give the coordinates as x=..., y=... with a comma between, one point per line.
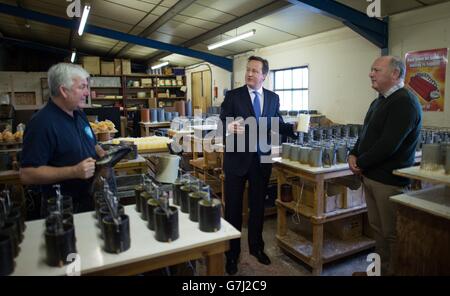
x=423, y=232
x=145, y=253
x=317, y=251
x=415, y=172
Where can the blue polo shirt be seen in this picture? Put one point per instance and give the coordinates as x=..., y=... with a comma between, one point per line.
x=54, y=138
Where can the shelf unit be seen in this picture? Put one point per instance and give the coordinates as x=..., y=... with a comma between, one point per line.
x=124, y=94
x=120, y=91
x=155, y=91
x=315, y=249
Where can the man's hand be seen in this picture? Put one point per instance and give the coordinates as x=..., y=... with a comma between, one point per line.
x=353, y=166
x=99, y=150
x=236, y=127
x=85, y=169
x=294, y=126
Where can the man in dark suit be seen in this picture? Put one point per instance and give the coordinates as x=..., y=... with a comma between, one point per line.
x=251, y=103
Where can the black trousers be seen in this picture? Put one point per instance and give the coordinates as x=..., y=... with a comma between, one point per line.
x=258, y=178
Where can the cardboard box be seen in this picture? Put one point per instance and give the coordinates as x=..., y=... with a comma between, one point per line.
x=117, y=67
x=126, y=67
x=91, y=64
x=347, y=228
x=306, y=196
x=107, y=68
x=351, y=198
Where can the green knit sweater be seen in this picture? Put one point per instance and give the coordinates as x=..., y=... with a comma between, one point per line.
x=389, y=137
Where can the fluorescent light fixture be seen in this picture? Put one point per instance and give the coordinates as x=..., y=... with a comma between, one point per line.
x=231, y=40
x=72, y=58
x=157, y=66
x=84, y=17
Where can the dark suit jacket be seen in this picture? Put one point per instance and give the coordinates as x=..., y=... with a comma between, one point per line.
x=237, y=103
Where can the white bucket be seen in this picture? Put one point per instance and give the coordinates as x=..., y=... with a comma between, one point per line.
x=167, y=168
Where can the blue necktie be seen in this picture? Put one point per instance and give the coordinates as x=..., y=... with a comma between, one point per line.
x=257, y=109
x=257, y=105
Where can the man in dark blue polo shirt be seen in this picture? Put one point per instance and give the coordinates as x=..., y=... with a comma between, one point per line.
x=59, y=146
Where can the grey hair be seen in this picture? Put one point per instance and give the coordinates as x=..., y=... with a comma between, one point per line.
x=397, y=63
x=63, y=74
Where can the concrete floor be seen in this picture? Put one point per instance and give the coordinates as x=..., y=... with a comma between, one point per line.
x=283, y=264
x=287, y=265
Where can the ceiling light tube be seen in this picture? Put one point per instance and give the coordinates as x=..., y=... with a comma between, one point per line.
x=157, y=66
x=72, y=58
x=84, y=17
x=231, y=40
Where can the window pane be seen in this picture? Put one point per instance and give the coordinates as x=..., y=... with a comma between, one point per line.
x=297, y=78
x=288, y=99
x=279, y=80
x=281, y=95
x=297, y=100
x=287, y=79
x=305, y=99
x=285, y=83
x=305, y=77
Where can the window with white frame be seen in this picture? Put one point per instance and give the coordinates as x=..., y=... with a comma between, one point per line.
x=292, y=87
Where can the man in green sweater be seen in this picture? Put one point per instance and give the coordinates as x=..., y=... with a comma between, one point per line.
x=387, y=142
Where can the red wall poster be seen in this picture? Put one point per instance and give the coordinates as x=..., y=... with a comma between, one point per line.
x=425, y=76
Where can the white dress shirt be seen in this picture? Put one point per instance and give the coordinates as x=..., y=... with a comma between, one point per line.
x=393, y=89
x=261, y=96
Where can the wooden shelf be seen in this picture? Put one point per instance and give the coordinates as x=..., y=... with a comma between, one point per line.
x=135, y=87
x=327, y=217
x=176, y=98
x=100, y=75
x=144, y=75
x=301, y=247
x=105, y=87
x=125, y=90
x=170, y=86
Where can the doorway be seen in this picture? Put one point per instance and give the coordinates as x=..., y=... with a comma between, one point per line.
x=201, y=90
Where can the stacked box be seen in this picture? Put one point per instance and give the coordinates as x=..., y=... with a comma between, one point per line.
x=91, y=64
x=117, y=67
x=346, y=228
x=351, y=198
x=107, y=68
x=306, y=196
x=126, y=67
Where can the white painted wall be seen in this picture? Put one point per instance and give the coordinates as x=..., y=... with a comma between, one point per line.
x=339, y=62
x=219, y=77
x=427, y=28
x=23, y=82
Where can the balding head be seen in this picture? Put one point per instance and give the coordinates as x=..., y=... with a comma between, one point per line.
x=386, y=72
